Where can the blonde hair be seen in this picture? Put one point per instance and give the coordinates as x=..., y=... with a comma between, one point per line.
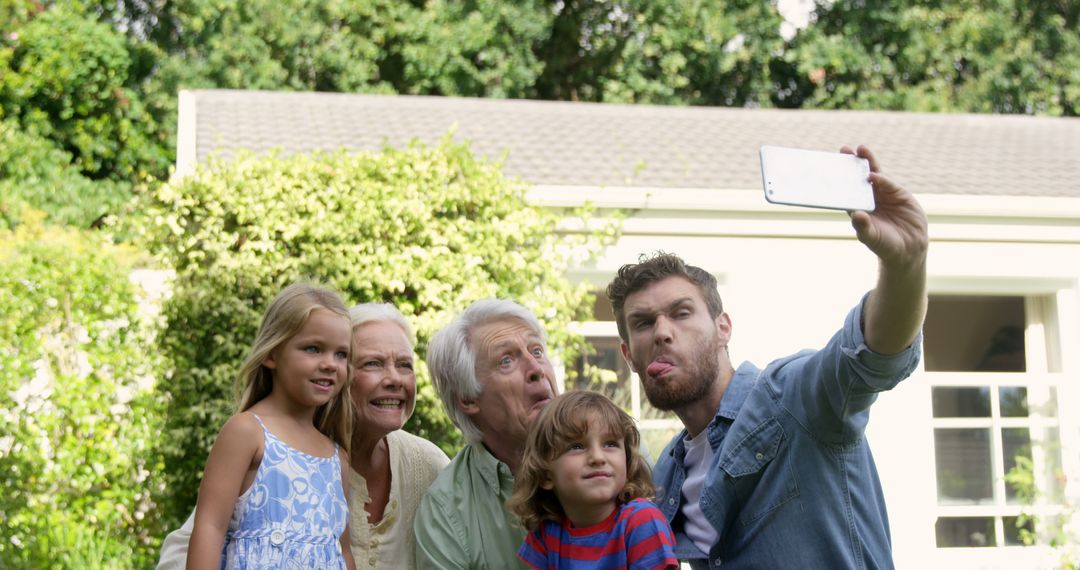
x=564, y=419
x=284, y=318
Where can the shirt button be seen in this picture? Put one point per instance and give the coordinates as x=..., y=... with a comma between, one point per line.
x=759, y=456
x=277, y=537
x=718, y=562
x=671, y=501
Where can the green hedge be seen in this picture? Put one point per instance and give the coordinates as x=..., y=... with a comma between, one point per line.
x=78, y=414
x=428, y=229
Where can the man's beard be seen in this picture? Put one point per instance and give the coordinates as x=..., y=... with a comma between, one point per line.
x=701, y=372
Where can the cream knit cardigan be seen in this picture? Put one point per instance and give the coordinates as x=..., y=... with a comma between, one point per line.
x=390, y=544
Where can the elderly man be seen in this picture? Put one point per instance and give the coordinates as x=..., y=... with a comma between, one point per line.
x=773, y=469
x=492, y=371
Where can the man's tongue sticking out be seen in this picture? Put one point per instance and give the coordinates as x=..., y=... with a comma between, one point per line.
x=657, y=368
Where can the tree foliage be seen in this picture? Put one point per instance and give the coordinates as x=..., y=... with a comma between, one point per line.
x=672, y=52
x=67, y=80
x=35, y=173
x=983, y=56
x=428, y=229
x=79, y=416
x=98, y=80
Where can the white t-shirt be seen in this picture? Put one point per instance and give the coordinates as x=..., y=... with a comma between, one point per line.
x=699, y=456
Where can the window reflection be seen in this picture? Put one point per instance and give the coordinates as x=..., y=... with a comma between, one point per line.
x=952, y=402
x=1016, y=443
x=965, y=532
x=1014, y=401
x=963, y=466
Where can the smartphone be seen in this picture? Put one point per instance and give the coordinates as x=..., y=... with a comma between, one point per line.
x=816, y=179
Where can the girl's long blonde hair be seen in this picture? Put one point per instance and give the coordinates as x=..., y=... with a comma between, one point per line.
x=284, y=318
x=564, y=419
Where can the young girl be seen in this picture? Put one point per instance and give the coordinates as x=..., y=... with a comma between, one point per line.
x=582, y=491
x=273, y=491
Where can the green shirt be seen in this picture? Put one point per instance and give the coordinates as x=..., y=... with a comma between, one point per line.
x=463, y=522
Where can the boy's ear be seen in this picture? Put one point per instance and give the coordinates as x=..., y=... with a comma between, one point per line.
x=547, y=484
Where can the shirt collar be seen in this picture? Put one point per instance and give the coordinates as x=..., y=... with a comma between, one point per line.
x=737, y=390
x=495, y=473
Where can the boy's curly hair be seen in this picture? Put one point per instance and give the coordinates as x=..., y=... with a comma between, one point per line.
x=564, y=419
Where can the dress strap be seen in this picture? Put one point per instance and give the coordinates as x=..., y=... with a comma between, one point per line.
x=258, y=419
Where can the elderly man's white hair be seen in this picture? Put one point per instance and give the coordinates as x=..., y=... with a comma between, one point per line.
x=451, y=357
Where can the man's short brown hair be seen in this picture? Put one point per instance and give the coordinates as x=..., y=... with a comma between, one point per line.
x=634, y=277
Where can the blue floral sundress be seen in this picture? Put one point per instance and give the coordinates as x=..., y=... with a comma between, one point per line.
x=293, y=514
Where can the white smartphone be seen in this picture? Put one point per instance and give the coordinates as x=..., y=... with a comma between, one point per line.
x=816, y=179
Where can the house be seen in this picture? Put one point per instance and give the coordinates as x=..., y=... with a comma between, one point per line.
x=1000, y=370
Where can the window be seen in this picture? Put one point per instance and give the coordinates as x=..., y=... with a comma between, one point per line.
x=994, y=385
x=605, y=370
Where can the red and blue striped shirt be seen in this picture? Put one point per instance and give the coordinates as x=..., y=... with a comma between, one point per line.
x=636, y=536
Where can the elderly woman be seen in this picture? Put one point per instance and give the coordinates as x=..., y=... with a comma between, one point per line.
x=391, y=469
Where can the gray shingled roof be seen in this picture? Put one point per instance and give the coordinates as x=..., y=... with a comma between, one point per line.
x=586, y=144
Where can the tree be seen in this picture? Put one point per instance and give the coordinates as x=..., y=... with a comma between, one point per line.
x=66, y=79
x=702, y=52
x=35, y=173
x=428, y=229
x=985, y=56
x=1033, y=490
x=671, y=52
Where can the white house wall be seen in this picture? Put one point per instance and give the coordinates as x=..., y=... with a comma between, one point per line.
x=788, y=276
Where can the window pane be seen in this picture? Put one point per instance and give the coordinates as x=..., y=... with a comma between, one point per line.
x=604, y=371
x=1016, y=443
x=1013, y=530
x=1014, y=401
x=963, y=466
x=607, y=355
x=974, y=333
x=1005, y=351
x=965, y=531
x=602, y=310
x=961, y=402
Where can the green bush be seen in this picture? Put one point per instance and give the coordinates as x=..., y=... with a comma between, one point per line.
x=35, y=173
x=428, y=229
x=78, y=413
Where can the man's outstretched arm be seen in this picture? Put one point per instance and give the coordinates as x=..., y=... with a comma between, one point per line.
x=896, y=231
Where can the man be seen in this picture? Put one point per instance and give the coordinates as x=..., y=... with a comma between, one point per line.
x=491, y=369
x=773, y=469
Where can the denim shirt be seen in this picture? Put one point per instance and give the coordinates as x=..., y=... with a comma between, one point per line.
x=792, y=481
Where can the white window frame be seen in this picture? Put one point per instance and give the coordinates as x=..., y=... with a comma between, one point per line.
x=1051, y=310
